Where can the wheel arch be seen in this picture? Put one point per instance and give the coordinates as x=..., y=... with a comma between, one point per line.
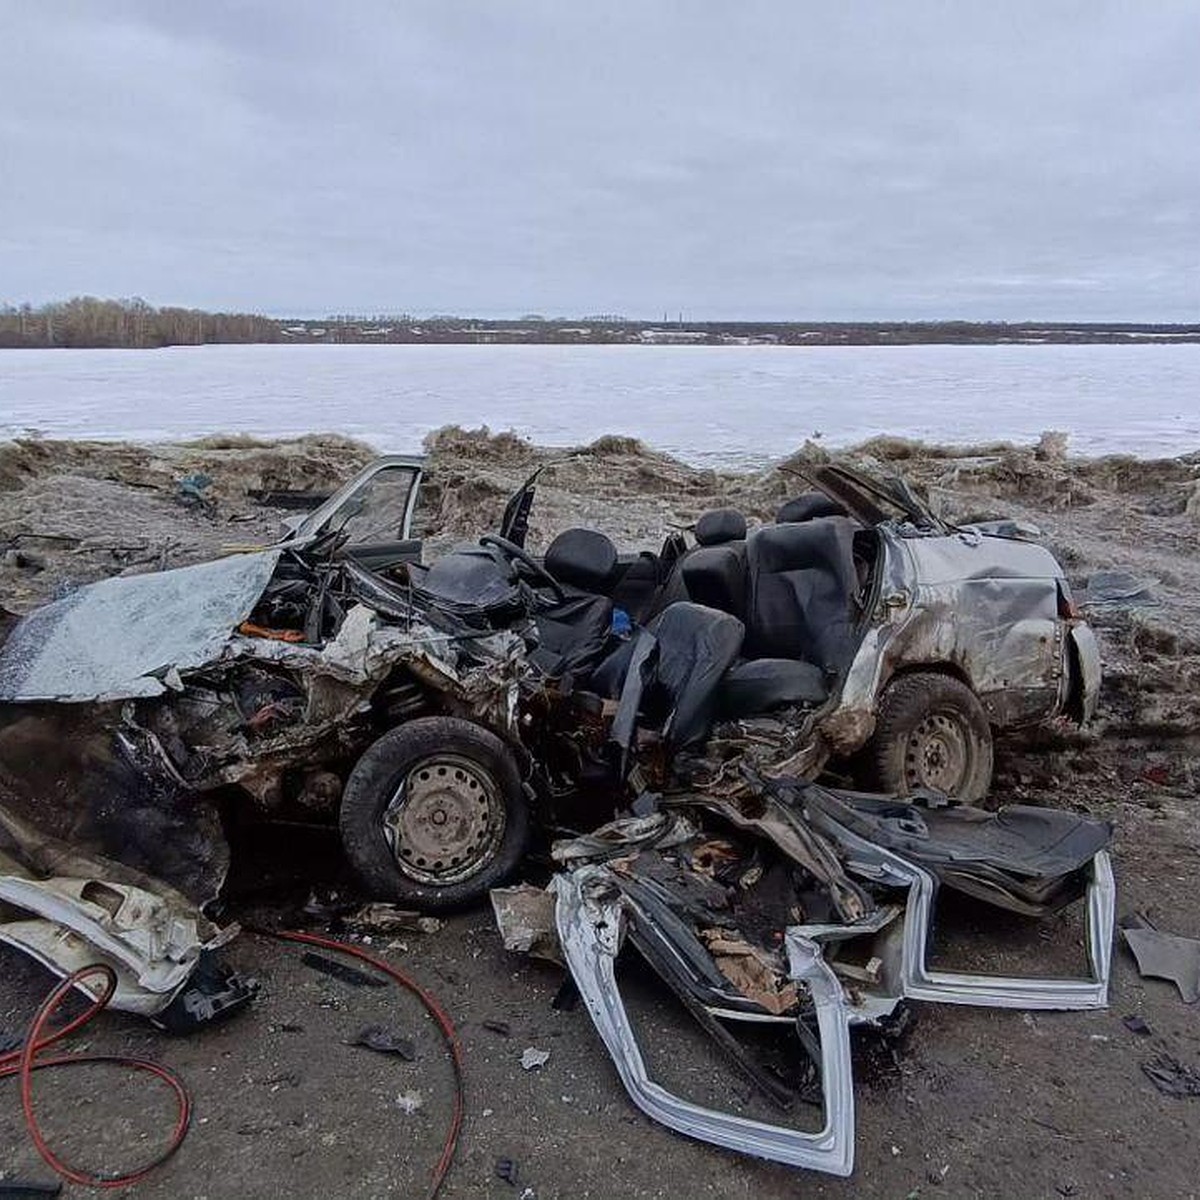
x=939, y=667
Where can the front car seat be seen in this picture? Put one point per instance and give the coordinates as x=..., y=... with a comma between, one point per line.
x=573, y=633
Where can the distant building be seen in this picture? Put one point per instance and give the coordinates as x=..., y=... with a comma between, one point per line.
x=659, y=337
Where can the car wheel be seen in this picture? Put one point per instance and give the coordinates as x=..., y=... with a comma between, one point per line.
x=434, y=814
x=931, y=732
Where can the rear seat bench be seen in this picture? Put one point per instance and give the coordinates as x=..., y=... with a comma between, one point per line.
x=793, y=586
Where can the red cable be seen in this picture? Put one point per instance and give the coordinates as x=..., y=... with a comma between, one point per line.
x=433, y=1008
x=24, y=1061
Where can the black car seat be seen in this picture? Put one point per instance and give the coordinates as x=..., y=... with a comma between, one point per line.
x=696, y=647
x=803, y=583
x=719, y=527
x=716, y=576
x=800, y=614
x=573, y=632
x=807, y=506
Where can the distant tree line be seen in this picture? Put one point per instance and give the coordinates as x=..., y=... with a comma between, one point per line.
x=87, y=321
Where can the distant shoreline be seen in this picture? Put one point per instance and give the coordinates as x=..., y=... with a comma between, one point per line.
x=1102, y=338
x=88, y=323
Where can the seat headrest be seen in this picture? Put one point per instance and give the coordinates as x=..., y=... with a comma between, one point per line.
x=808, y=506
x=715, y=576
x=582, y=558
x=796, y=546
x=720, y=525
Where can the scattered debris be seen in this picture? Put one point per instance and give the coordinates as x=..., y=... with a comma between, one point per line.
x=343, y=972
x=195, y=491
x=1164, y=955
x=411, y=1100
x=28, y=1189
x=385, y=1041
x=328, y=909
x=501, y=1027
x=1136, y=1024
x=525, y=918
x=289, y=1079
x=507, y=1170
x=388, y=919
x=533, y=1059
x=1118, y=590
x=1172, y=1077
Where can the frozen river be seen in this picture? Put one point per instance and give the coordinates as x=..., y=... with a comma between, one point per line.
x=717, y=405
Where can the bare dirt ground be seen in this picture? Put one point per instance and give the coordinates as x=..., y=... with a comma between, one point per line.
x=970, y=1103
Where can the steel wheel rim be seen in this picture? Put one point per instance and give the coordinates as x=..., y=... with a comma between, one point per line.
x=938, y=753
x=445, y=821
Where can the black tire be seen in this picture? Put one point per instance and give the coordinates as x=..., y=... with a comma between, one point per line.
x=472, y=776
x=931, y=732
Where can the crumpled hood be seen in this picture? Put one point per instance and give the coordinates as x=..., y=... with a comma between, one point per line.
x=115, y=639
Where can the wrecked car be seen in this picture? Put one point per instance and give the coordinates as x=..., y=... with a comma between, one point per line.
x=445, y=714
x=441, y=713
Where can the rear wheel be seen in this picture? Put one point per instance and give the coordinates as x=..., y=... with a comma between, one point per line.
x=434, y=814
x=931, y=733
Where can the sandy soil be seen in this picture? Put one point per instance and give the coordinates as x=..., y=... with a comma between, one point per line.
x=969, y=1104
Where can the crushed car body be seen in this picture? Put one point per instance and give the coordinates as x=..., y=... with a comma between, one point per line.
x=685, y=898
x=445, y=716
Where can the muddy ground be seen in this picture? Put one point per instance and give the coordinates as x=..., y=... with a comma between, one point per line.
x=969, y=1103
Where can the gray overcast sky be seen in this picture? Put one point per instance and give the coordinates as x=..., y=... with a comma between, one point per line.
x=762, y=160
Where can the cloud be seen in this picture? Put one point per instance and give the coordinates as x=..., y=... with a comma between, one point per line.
x=758, y=160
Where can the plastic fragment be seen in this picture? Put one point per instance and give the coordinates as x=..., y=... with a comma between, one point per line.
x=342, y=972
x=532, y=1059
x=384, y=1041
